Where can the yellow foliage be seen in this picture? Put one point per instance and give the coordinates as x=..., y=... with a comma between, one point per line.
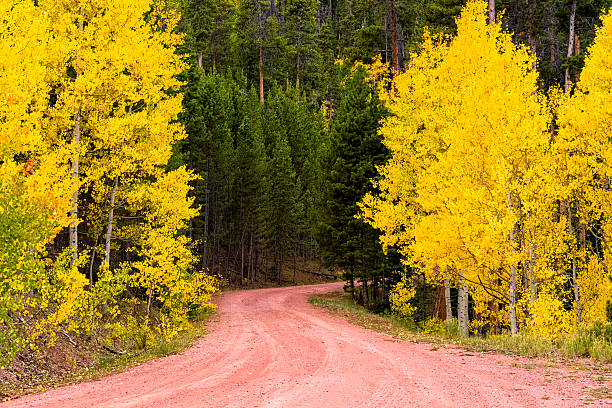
x=400, y=297
x=595, y=289
x=584, y=158
x=549, y=318
x=449, y=197
x=113, y=65
x=478, y=184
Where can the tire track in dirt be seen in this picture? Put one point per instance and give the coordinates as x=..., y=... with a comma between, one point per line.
x=270, y=348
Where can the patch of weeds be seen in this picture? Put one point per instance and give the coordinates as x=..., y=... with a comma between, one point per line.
x=340, y=304
x=523, y=365
x=601, y=392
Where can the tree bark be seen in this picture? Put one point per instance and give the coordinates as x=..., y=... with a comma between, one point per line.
x=577, y=52
x=570, y=44
x=447, y=299
x=574, y=271
x=297, y=75
x=242, y=259
x=462, y=303
x=261, y=81
x=491, y=12
x=206, y=218
x=73, y=232
x=513, y=321
x=294, y=262
x=533, y=287
x=394, y=45
x=512, y=294
x=109, y=229
x=74, y=213
x=531, y=34
x=439, y=312
x=280, y=269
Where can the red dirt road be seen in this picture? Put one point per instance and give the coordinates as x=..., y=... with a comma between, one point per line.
x=270, y=348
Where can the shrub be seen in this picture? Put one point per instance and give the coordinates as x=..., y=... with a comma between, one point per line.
x=400, y=297
x=550, y=319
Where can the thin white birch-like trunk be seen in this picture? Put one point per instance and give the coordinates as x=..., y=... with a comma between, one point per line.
x=109, y=229
x=447, y=299
x=73, y=233
x=491, y=11
x=570, y=43
x=394, y=42
x=462, y=305
x=512, y=294
x=574, y=272
x=74, y=213
x=533, y=287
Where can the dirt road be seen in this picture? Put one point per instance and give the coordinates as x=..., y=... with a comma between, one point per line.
x=270, y=348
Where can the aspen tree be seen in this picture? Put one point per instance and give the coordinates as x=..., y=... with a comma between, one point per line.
x=35, y=187
x=466, y=118
x=106, y=75
x=583, y=149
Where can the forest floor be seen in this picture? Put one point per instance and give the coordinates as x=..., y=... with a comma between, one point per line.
x=271, y=348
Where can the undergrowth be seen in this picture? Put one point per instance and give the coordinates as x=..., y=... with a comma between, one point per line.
x=102, y=361
x=594, y=342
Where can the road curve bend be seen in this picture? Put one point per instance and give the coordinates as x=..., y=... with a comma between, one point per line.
x=270, y=348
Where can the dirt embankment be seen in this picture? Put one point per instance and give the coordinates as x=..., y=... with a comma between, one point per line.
x=270, y=348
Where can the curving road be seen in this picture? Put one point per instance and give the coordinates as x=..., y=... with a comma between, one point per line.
x=270, y=348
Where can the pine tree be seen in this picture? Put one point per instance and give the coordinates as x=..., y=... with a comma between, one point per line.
x=356, y=150
x=209, y=148
x=207, y=25
x=282, y=210
x=302, y=46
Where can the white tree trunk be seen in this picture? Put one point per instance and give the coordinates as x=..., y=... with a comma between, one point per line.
x=73, y=233
x=533, y=286
x=570, y=43
x=74, y=213
x=574, y=272
x=512, y=294
x=462, y=308
x=491, y=12
x=447, y=299
x=109, y=229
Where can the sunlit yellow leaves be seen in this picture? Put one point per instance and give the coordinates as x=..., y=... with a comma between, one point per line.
x=550, y=319
x=478, y=183
x=471, y=162
x=115, y=63
x=400, y=297
x=584, y=158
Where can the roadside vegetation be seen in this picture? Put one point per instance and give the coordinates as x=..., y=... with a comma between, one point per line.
x=73, y=360
x=595, y=342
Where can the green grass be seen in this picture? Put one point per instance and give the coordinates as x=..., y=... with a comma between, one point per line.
x=595, y=342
